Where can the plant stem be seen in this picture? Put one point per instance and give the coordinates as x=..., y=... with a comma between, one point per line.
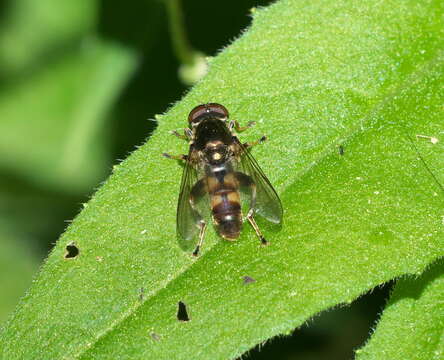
x=181, y=46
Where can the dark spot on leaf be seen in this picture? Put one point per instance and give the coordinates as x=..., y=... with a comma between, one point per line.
x=182, y=313
x=248, y=280
x=341, y=150
x=72, y=251
x=141, y=293
x=154, y=336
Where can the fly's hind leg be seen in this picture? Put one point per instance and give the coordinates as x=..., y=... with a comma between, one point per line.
x=197, y=192
x=203, y=227
x=256, y=228
x=247, y=181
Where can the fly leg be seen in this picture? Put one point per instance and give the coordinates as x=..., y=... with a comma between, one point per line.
x=247, y=182
x=256, y=228
x=176, y=157
x=234, y=124
x=197, y=192
x=251, y=218
x=187, y=134
x=254, y=143
x=203, y=227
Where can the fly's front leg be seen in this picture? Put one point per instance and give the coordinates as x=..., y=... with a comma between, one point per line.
x=234, y=124
x=197, y=192
x=176, y=157
x=187, y=134
x=247, y=181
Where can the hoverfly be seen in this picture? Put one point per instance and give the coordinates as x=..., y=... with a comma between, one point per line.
x=220, y=180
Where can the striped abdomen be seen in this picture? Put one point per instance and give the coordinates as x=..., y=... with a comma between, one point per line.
x=225, y=206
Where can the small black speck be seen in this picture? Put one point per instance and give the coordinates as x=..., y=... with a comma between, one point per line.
x=341, y=150
x=182, y=313
x=141, y=293
x=248, y=280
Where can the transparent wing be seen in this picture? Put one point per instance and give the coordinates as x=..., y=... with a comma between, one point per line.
x=268, y=204
x=187, y=218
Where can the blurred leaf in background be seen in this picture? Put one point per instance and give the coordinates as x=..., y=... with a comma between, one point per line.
x=31, y=31
x=18, y=262
x=59, y=81
x=52, y=129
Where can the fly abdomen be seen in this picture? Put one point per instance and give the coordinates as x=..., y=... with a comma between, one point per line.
x=227, y=214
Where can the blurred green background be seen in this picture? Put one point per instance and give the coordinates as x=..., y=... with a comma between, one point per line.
x=79, y=81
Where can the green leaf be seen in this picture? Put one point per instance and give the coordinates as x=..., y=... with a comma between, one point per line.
x=17, y=266
x=53, y=123
x=412, y=325
x=313, y=75
x=32, y=29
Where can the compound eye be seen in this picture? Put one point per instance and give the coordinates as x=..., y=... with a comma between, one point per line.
x=218, y=109
x=212, y=108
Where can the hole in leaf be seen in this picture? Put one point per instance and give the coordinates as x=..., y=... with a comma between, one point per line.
x=341, y=150
x=248, y=280
x=72, y=251
x=182, y=313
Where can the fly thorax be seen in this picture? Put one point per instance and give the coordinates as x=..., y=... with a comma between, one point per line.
x=215, y=153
